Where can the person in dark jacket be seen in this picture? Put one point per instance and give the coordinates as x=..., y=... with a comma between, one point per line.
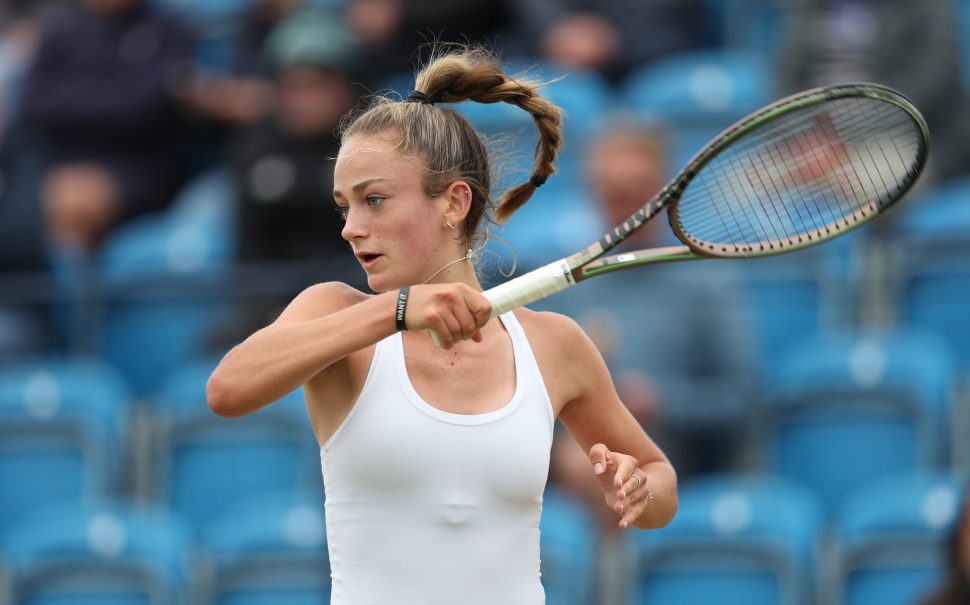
x=102, y=98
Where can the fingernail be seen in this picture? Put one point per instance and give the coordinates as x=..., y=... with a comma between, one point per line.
x=597, y=468
x=623, y=524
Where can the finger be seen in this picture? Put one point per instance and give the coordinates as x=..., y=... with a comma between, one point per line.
x=625, y=465
x=466, y=322
x=630, y=515
x=453, y=327
x=477, y=336
x=440, y=327
x=632, y=486
x=598, y=455
x=480, y=307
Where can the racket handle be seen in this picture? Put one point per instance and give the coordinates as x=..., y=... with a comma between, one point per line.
x=534, y=285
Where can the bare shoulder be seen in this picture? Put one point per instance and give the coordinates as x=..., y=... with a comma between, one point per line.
x=546, y=329
x=566, y=355
x=320, y=300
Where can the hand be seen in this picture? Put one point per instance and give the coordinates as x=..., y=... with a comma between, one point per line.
x=81, y=202
x=624, y=495
x=453, y=311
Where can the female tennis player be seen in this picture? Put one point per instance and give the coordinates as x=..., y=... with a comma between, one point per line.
x=435, y=457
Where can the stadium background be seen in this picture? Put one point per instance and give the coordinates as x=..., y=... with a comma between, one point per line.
x=118, y=485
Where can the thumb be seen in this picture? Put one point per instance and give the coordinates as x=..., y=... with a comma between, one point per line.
x=598, y=456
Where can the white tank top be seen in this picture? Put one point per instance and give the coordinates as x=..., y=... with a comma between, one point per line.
x=426, y=507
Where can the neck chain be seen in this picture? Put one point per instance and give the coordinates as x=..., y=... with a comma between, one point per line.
x=467, y=256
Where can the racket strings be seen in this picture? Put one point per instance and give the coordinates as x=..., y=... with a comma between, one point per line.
x=804, y=176
x=758, y=164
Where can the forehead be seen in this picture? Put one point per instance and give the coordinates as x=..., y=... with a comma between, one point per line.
x=373, y=154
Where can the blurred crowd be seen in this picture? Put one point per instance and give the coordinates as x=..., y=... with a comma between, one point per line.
x=111, y=109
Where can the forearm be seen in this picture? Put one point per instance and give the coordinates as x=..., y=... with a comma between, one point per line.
x=283, y=356
x=661, y=481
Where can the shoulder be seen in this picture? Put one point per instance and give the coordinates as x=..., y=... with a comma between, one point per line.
x=560, y=332
x=567, y=357
x=322, y=299
x=542, y=326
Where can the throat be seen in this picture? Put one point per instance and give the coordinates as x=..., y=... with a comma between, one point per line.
x=469, y=378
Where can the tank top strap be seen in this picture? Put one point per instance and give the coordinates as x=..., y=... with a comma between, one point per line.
x=526, y=363
x=383, y=361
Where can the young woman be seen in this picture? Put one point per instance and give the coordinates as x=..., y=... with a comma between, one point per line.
x=435, y=458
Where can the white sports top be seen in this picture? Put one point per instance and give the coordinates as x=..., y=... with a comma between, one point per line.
x=426, y=507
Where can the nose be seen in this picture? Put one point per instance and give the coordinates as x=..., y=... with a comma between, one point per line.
x=354, y=228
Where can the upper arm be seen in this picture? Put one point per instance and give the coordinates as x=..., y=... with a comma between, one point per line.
x=592, y=411
x=320, y=300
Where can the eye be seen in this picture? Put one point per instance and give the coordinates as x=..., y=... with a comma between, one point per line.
x=374, y=201
x=341, y=211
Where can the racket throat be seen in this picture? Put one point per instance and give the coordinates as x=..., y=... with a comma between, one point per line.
x=634, y=258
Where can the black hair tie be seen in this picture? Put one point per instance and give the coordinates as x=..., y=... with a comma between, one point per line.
x=537, y=180
x=417, y=96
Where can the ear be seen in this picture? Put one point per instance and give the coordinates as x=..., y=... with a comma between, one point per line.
x=458, y=202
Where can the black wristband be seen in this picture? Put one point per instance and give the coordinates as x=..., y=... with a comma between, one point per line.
x=402, y=305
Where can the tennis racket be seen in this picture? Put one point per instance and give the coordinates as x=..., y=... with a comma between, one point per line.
x=794, y=174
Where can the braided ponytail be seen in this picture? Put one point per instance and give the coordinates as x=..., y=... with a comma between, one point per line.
x=477, y=76
x=450, y=147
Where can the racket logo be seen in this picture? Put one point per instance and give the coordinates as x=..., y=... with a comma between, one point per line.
x=567, y=273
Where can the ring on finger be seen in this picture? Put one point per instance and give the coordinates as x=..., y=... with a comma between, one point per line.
x=634, y=476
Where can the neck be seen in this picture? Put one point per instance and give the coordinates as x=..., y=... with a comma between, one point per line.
x=460, y=269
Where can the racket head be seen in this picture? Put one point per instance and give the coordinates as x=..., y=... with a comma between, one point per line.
x=799, y=172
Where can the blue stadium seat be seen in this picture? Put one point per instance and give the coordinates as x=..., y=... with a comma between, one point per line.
x=699, y=94
x=104, y=553
x=734, y=541
x=158, y=271
x=215, y=23
x=61, y=427
x=550, y=226
x=269, y=549
x=844, y=409
x=569, y=547
x=751, y=25
x=890, y=539
x=209, y=463
x=797, y=296
x=933, y=245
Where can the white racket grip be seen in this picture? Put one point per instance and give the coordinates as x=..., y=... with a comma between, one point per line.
x=534, y=285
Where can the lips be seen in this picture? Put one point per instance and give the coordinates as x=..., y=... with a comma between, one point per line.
x=368, y=259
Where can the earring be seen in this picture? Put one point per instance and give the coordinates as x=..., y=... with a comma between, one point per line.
x=450, y=226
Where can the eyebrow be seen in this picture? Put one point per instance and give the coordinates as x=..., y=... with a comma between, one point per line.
x=361, y=185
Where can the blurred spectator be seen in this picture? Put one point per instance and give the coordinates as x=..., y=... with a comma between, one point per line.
x=283, y=164
x=18, y=41
x=101, y=95
x=671, y=335
x=263, y=16
x=913, y=47
x=569, y=469
x=610, y=37
x=394, y=32
x=954, y=588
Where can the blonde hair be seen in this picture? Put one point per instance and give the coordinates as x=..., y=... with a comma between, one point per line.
x=449, y=146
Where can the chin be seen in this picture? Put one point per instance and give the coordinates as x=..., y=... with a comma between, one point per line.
x=381, y=283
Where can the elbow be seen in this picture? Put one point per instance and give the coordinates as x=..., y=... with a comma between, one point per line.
x=669, y=512
x=219, y=395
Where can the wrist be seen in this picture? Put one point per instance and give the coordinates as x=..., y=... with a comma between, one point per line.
x=400, y=309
